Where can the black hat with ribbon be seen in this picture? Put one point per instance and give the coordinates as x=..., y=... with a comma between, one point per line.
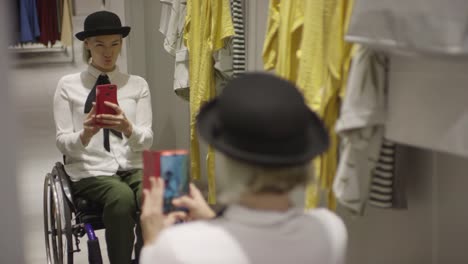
x=102, y=23
x=263, y=120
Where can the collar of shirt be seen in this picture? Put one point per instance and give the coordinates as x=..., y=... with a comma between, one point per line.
x=248, y=216
x=95, y=72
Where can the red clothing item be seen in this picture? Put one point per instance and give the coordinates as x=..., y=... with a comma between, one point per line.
x=48, y=21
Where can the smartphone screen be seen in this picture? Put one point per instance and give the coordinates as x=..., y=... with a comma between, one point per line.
x=105, y=92
x=174, y=171
x=172, y=167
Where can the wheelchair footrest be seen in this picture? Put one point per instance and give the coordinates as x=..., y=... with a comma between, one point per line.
x=94, y=252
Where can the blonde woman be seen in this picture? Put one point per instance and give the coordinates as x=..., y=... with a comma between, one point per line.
x=266, y=137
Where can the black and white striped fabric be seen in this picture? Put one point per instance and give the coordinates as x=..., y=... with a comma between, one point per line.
x=237, y=10
x=387, y=189
x=382, y=186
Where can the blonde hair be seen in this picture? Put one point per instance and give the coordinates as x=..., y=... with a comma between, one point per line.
x=237, y=178
x=86, y=54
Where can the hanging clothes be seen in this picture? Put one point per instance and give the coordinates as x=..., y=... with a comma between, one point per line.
x=48, y=21
x=171, y=25
x=398, y=190
x=431, y=90
x=367, y=167
x=237, y=9
x=361, y=127
x=283, y=38
x=322, y=76
x=415, y=26
x=15, y=18
x=230, y=60
x=387, y=186
x=59, y=11
x=66, y=36
x=382, y=183
x=29, y=21
x=172, y=22
x=208, y=24
x=305, y=44
x=223, y=65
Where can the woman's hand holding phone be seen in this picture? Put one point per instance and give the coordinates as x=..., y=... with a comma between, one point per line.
x=198, y=208
x=118, y=121
x=108, y=112
x=153, y=219
x=89, y=127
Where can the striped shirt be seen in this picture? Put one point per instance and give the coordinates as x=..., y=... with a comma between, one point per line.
x=237, y=11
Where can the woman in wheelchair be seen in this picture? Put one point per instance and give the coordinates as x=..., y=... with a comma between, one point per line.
x=103, y=152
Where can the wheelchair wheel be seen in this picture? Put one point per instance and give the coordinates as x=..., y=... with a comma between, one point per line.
x=57, y=223
x=48, y=229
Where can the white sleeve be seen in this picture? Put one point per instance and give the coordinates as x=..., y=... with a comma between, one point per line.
x=360, y=152
x=161, y=251
x=67, y=139
x=364, y=102
x=142, y=134
x=337, y=234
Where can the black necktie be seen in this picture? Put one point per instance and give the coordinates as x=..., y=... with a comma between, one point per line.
x=102, y=79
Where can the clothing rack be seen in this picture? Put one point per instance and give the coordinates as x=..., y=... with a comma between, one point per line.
x=36, y=47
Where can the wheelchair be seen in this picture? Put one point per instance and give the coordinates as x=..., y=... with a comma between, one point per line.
x=67, y=219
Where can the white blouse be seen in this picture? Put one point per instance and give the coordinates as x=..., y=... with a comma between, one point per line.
x=247, y=236
x=134, y=98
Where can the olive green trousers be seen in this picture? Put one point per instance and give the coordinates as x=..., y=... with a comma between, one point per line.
x=120, y=196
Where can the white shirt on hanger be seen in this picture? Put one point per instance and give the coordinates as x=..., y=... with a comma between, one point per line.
x=134, y=98
x=411, y=26
x=172, y=27
x=427, y=103
x=361, y=128
x=247, y=236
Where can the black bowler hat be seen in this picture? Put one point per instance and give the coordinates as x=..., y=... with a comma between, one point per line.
x=102, y=23
x=263, y=120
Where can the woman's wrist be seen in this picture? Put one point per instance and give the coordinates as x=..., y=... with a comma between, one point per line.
x=84, y=138
x=128, y=131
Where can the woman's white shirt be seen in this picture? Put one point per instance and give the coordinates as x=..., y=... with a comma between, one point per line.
x=134, y=99
x=246, y=236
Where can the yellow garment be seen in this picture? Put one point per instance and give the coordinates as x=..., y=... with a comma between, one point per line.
x=329, y=160
x=323, y=69
x=312, y=57
x=340, y=52
x=270, y=46
x=325, y=166
x=312, y=73
x=66, y=35
x=207, y=24
x=283, y=39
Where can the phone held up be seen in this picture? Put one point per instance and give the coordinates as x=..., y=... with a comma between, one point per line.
x=172, y=166
x=105, y=92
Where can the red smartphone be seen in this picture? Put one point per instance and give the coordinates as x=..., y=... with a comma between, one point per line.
x=105, y=92
x=151, y=166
